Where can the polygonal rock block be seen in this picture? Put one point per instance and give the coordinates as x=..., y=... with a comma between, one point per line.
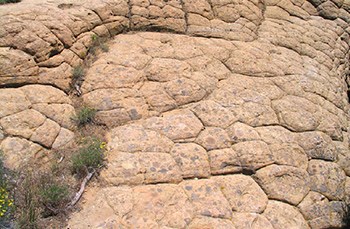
x=327, y=178
x=285, y=183
x=243, y=193
x=166, y=204
x=253, y=154
x=240, y=132
x=250, y=220
x=176, y=125
x=18, y=152
x=209, y=222
x=213, y=138
x=213, y=114
x=207, y=198
x=23, y=123
x=283, y=216
x=289, y=154
x=134, y=138
x=322, y=213
x=223, y=161
x=192, y=160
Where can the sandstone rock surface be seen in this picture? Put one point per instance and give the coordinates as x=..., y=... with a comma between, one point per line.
x=220, y=114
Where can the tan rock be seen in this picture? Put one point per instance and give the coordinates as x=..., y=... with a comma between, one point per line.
x=124, y=168
x=210, y=223
x=13, y=100
x=102, y=201
x=18, y=152
x=23, y=123
x=285, y=183
x=253, y=154
x=289, y=154
x=63, y=138
x=321, y=213
x=163, y=204
x=156, y=97
x=250, y=220
x=223, y=161
x=240, y=132
x=297, y=113
x=213, y=114
x=46, y=133
x=16, y=63
x=159, y=168
x=192, y=160
x=207, y=198
x=184, y=90
x=282, y=215
x=135, y=138
x=116, y=106
x=327, y=178
x=213, y=138
x=60, y=113
x=243, y=194
x=176, y=125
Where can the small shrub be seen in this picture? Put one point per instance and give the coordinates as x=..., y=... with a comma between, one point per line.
x=78, y=72
x=53, y=195
x=88, y=157
x=98, y=43
x=85, y=115
x=28, y=202
x=8, y=1
x=6, y=201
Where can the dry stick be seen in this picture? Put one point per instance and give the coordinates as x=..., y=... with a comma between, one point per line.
x=61, y=159
x=82, y=188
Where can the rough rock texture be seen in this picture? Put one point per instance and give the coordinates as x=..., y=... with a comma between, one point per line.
x=222, y=114
x=33, y=120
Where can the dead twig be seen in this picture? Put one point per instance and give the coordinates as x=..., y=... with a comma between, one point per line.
x=82, y=188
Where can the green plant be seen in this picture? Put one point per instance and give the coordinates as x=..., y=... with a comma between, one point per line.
x=90, y=156
x=98, y=42
x=53, y=195
x=8, y=1
x=6, y=201
x=29, y=204
x=85, y=115
x=78, y=72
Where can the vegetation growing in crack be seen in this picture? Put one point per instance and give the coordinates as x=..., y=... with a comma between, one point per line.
x=89, y=157
x=6, y=200
x=98, y=43
x=53, y=195
x=78, y=72
x=8, y=1
x=84, y=115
